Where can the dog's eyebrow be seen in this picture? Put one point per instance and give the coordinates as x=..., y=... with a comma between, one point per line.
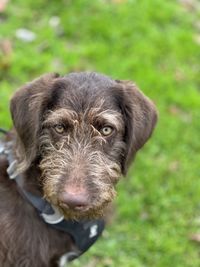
x=61, y=114
x=108, y=116
x=95, y=115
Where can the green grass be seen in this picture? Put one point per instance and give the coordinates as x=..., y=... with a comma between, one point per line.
x=150, y=42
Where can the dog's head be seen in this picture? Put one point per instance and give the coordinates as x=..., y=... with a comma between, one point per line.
x=83, y=130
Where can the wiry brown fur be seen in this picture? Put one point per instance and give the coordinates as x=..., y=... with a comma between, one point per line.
x=80, y=155
x=80, y=160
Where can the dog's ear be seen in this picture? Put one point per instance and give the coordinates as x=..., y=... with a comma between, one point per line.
x=140, y=117
x=25, y=110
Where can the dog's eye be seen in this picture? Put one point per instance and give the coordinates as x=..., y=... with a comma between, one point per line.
x=59, y=128
x=106, y=130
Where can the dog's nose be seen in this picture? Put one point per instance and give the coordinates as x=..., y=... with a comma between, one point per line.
x=74, y=201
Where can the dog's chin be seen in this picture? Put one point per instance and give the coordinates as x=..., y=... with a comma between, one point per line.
x=85, y=214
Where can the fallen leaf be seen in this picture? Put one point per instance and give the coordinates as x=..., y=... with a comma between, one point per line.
x=195, y=237
x=190, y=4
x=174, y=166
x=3, y=4
x=5, y=54
x=6, y=47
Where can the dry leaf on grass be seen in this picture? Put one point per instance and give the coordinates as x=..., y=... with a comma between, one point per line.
x=195, y=237
x=3, y=4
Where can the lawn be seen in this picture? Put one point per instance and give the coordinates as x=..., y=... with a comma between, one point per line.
x=157, y=44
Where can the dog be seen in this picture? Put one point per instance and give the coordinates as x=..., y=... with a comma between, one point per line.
x=74, y=136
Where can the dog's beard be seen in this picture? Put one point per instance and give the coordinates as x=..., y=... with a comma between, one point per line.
x=103, y=174
x=93, y=212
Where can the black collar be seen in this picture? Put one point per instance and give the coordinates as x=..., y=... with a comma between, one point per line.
x=84, y=233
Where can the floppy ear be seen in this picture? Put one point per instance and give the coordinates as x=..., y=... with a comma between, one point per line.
x=140, y=117
x=25, y=110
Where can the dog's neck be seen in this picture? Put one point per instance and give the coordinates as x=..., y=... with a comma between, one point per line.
x=30, y=176
x=30, y=180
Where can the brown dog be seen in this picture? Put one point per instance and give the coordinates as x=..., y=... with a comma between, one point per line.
x=74, y=137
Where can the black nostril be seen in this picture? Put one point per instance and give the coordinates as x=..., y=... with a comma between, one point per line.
x=74, y=201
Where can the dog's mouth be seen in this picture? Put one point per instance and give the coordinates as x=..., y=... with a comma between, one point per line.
x=81, y=213
x=82, y=205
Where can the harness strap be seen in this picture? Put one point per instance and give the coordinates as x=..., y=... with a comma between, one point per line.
x=3, y=131
x=84, y=233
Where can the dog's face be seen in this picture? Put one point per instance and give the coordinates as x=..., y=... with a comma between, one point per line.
x=82, y=130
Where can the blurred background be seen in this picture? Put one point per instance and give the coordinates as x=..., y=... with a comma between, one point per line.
x=157, y=44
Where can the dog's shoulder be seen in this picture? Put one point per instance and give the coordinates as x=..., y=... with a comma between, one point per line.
x=3, y=168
